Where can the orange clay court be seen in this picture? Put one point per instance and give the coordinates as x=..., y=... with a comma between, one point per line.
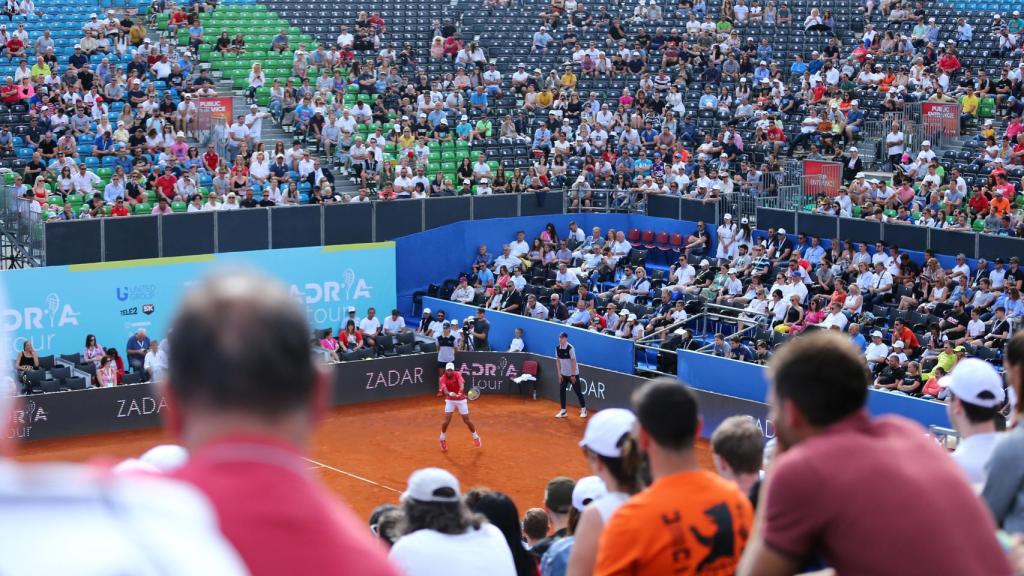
x=366, y=452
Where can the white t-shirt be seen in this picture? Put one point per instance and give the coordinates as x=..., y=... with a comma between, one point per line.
x=431, y=553
x=369, y=325
x=394, y=325
x=109, y=524
x=519, y=248
x=894, y=143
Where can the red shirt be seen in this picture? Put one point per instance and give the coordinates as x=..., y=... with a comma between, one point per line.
x=862, y=494
x=211, y=160
x=165, y=183
x=275, y=513
x=452, y=384
x=15, y=44
x=978, y=203
x=909, y=339
x=121, y=210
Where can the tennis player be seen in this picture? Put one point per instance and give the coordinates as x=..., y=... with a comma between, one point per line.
x=452, y=387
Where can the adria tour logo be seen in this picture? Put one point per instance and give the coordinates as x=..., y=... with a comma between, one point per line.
x=490, y=376
x=39, y=323
x=24, y=419
x=325, y=302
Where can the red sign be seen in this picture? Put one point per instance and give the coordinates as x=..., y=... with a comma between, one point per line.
x=822, y=177
x=210, y=108
x=941, y=118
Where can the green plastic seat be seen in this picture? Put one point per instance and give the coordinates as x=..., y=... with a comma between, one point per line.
x=179, y=206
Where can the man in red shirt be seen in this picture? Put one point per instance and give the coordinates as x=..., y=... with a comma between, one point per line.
x=243, y=396
x=903, y=333
x=119, y=209
x=452, y=387
x=979, y=203
x=844, y=486
x=211, y=160
x=165, y=183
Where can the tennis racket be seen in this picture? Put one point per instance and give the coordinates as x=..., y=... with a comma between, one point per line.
x=473, y=393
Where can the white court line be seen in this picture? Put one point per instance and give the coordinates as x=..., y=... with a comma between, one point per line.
x=351, y=475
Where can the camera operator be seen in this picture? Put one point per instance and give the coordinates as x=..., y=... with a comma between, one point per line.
x=463, y=338
x=481, y=328
x=446, y=344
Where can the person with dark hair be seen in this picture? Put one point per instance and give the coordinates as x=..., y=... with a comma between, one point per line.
x=842, y=483
x=535, y=527
x=685, y=508
x=243, y=396
x=440, y=536
x=451, y=386
x=1003, y=490
x=501, y=511
x=569, y=375
x=610, y=449
x=737, y=450
x=557, y=501
x=587, y=490
x=976, y=395
x=384, y=523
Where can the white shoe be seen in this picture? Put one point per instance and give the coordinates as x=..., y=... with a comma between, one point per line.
x=561, y=414
x=583, y=412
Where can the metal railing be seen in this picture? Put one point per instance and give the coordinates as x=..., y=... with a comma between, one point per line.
x=22, y=230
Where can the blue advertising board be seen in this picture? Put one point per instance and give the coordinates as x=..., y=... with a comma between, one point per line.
x=56, y=307
x=748, y=381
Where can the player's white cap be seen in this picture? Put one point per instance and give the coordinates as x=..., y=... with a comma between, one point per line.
x=587, y=489
x=449, y=366
x=975, y=382
x=605, y=429
x=426, y=483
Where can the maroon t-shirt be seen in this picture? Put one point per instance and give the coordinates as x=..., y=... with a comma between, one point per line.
x=879, y=497
x=278, y=517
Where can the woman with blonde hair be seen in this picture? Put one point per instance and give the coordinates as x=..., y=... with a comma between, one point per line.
x=257, y=78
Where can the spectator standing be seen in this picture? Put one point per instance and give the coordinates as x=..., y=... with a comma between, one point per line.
x=816, y=502
x=557, y=502
x=155, y=363
x=976, y=394
x=684, y=508
x=245, y=396
x=611, y=451
x=440, y=536
x=481, y=330
x=1003, y=488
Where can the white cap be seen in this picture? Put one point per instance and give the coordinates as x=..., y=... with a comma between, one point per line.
x=727, y=216
x=975, y=382
x=605, y=429
x=424, y=482
x=926, y=143
x=426, y=310
x=705, y=262
x=351, y=309
x=898, y=344
x=732, y=270
x=449, y=366
x=165, y=457
x=988, y=122
x=876, y=334
x=631, y=317
x=780, y=231
x=180, y=134
x=853, y=149
x=586, y=490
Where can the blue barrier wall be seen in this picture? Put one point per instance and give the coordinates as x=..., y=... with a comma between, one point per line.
x=57, y=306
x=432, y=256
x=541, y=336
x=748, y=381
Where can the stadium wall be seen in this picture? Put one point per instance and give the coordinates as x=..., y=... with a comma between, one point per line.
x=748, y=381
x=64, y=414
x=57, y=306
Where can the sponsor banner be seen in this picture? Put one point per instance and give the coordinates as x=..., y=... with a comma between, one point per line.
x=56, y=307
x=822, y=177
x=96, y=411
x=941, y=118
x=210, y=108
x=43, y=416
x=385, y=378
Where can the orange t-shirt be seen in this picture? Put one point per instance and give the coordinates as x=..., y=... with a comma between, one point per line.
x=999, y=205
x=687, y=523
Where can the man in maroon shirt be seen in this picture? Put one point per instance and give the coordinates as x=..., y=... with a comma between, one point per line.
x=856, y=492
x=243, y=395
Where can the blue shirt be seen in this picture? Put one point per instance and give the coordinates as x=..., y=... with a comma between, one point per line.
x=859, y=341
x=134, y=344
x=798, y=68
x=463, y=129
x=478, y=99
x=643, y=166
x=708, y=101
x=760, y=73
x=815, y=65
x=304, y=112
x=435, y=117
x=813, y=254
x=541, y=137
x=541, y=39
